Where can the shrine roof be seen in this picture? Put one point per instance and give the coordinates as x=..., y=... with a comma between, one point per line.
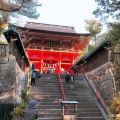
x=30, y=28
x=50, y=27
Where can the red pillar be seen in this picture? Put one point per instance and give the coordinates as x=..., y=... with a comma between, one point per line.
x=41, y=68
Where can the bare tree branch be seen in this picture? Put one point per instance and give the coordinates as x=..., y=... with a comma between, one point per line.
x=10, y=7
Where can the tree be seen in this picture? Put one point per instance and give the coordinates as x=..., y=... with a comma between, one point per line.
x=114, y=35
x=90, y=48
x=17, y=8
x=93, y=27
x=107, y=8
x=115, y=106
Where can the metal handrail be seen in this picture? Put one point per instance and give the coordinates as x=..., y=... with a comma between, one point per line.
x=63, y=93
x=62, y=89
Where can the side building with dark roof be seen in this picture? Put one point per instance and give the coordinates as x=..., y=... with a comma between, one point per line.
x=99, y=65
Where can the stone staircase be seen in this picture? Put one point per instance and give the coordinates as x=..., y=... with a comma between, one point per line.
x=48, y=94
x=80, y=92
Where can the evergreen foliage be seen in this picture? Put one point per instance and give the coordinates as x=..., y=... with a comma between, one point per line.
x=114, y=35
x=107, y=8
x=26, y=8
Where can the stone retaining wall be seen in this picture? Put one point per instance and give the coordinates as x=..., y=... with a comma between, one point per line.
x=12, y=79
x=104, y=81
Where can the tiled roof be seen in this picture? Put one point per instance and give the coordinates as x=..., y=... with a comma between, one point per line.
x=98, y=49
x=50, y=27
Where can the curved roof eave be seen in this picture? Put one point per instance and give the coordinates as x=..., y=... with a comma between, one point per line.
x=54, y=32
x=10, y=32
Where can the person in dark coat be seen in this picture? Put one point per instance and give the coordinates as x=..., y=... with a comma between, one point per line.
x=31, y=112
x=33, y=78
x=37, y=73
x=67, y=75
x=33, y=66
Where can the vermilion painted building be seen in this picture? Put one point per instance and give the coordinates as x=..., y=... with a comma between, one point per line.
x=52, y=47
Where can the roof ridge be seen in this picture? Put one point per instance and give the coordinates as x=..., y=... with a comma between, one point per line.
x=50, y=24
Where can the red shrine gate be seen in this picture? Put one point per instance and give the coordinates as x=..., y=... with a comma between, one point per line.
x=52, y=47
x=46, y=60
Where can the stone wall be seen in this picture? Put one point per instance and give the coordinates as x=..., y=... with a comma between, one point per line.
x=12, y=79
x=104, y=81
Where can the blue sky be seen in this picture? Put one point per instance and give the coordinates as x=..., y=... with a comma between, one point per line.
x=66, y=12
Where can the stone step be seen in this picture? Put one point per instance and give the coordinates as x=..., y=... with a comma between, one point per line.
x=58, y=106
x=90, y=118
x=40, y=83
x=87, y=114
x=78, y=118
x=80, y=104
x=78, y=93
x=76, y=89
x=83, y=106
x=47, y=86
x=67, y=94
x=49, y=106
x=57, y=98
x=80, y=110
x=48, y=99
x=55, y=114
x=40, y=89
x=47, y=89
x=48, y=95
x=45, y=94
x=79, y=98
x=50, y=118
x=75, y=81
x=47, y=80
x=47, y=83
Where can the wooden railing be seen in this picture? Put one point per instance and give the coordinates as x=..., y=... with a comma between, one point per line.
x=115, y=57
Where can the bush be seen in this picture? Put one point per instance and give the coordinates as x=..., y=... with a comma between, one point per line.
x=18, y=111
x=115, y=106
x=25, y=96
